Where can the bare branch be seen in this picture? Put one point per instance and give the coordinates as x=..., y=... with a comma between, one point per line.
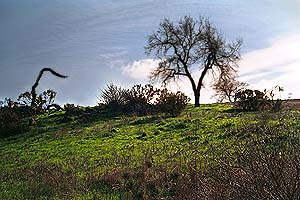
x=188, y=44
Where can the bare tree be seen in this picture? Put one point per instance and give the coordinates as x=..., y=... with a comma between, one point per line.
x=188, y=45
x=33, y=89
x=227, y=87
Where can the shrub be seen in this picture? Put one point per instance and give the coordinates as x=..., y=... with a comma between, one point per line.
x=141, y=94
x=140, y=99
x=19, y=109
x=8, y=102
x=113, y=96
x=227, y=87
x=172, y=103
x=253, y=100
x=42, y=101
x=71, y=109
x=11, y=123
x=143, y=100
x=250, y=100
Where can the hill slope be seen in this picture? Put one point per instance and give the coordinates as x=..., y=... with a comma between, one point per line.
x=115, y=156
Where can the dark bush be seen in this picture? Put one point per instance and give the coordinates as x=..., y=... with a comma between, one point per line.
x=140, y=99
x=253, y=100
x=8, y=103
x=143, y=100
x=19, y=109
x=113, y=96
x=71, y=109
x=42, y=101
x=250, y=100
x=142, y=94
x=171, y=103
x=11, y=123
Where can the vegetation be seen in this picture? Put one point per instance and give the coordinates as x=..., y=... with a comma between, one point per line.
x=253, y=100
x=143, y=100
x=34, y=99
x=227, y=87
x=11, y=123
x=171, y=103
x=42, y=101
x=208, y=152
x=191, y=44
x=113, y=96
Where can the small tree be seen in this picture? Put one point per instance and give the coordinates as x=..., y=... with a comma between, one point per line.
x=226, y=88
x=34, y=97
x=190, y=44
x=42, y=101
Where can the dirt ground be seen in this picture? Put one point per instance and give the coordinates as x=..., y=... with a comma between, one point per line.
x=291, y=104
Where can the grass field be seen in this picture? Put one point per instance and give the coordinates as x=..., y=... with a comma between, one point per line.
x=113, y=156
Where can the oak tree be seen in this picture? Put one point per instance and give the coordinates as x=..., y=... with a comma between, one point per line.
x=191, y=44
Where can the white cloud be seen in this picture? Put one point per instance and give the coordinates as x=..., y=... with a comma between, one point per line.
x=278, y=64
x=140, y=69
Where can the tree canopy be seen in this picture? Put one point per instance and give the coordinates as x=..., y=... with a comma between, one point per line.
x=189, y=44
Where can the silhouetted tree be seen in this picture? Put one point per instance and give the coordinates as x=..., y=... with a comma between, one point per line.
x=34, y=98
x=42, y=101
x=191, y=44
x=227, y=87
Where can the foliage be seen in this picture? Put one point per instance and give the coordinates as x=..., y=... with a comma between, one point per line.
x=71, y=109
x=113, y=96
x=23, y=105
x=42, y=101
x=142, y=94
x=253, y=100
x=11, y=123
x=250, y=100
x=188, y=44
x=171, y=103
x=140, y=99
x=8, y=102
x=144, y=100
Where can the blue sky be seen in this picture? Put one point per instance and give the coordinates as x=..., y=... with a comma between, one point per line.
x=96, y=42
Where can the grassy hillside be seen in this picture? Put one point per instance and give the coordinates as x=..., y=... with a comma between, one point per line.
x=110, y=155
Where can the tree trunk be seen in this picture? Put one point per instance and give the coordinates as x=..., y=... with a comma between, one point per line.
x=197, y=98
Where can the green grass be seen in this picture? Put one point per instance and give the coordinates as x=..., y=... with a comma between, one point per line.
x=76, y=153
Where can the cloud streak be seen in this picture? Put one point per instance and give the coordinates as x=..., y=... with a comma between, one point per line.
x=277, y=64
x=140, y=69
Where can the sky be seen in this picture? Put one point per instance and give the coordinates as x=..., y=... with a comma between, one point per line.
x=97, y=42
